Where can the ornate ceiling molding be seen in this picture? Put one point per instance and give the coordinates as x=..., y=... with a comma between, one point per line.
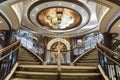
x=79, y=7
x=4, y=23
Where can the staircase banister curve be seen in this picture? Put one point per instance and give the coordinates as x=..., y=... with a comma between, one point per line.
x=116, y=62
x=11, y=72
x=103, y=73
x=11, y=52
x=109, y=50
x=9, y=46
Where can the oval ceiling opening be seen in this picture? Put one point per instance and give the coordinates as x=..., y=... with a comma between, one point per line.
x=59, y=18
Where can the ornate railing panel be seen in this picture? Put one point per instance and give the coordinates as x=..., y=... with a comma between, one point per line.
x=8, y=58
x=109, y=61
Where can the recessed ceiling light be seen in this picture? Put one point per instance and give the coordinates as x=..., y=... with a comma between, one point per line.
x=1, y=22
x=30, y=0
x=46, y=4
x=36, y=9
x=82, y=10
x=118, y=25
x=33, y=14
x=73, y=5
x=37, y=24
x=59, y=3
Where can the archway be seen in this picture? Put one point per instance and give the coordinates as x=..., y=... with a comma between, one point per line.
x=51, y=57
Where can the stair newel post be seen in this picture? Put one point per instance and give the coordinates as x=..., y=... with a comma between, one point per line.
x=59, y=67
x=44, y=56
x=58, y=47
x=59, y=61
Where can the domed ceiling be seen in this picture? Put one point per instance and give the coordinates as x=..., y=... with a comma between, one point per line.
x=61, y=18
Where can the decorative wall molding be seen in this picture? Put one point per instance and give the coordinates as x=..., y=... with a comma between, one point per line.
x=64, y=41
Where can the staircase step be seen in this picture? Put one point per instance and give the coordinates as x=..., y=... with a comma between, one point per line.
x=28, y=63
x=25, y=56
x=86, y=64
x=30, y=59
x=30, y=69
x=81, y=74
x=53, y=74
x=55, y=66
x=23, y=79
x=87, y=61
x=34, y=73
x=89, y=58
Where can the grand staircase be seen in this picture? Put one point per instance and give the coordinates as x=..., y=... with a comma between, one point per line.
x=29, y=68
x=88, y=59
x=25, y=57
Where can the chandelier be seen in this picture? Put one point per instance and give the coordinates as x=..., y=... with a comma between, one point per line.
x=59, y=19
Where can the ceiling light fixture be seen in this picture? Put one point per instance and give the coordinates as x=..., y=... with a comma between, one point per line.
x=119, y=25
x=1, y=21
x=73, y=5
x=36, y=9
x=82, y=10
x=59, y=3
x=33, y=14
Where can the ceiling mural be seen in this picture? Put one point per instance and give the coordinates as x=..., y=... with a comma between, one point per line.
x=59, y=18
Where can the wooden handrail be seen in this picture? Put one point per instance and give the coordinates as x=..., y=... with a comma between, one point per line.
x=10, y=52
x=109, y=50
x=103, y=73
x=107, y=56
x=8, y=47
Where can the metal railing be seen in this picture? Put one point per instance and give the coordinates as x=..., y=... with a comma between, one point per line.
x=30, y=45
x=109, y=61
x=8, y=59
x=76, y=50
x=87, y=45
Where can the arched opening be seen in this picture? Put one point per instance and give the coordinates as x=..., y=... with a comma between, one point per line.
x=51, y=57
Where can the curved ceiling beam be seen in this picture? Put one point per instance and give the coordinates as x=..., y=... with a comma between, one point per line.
x=113, y=8
x=10, y=2
x=115, y=2
x=115, y=18
x=10, y=14
x=4, y=22
x=44, y=4
x=2, y=1
x=115, y=27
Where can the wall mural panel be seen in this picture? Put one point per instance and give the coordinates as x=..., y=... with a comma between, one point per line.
x=53, y=46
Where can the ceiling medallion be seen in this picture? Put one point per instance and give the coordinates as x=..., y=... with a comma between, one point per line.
x=59, y=18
